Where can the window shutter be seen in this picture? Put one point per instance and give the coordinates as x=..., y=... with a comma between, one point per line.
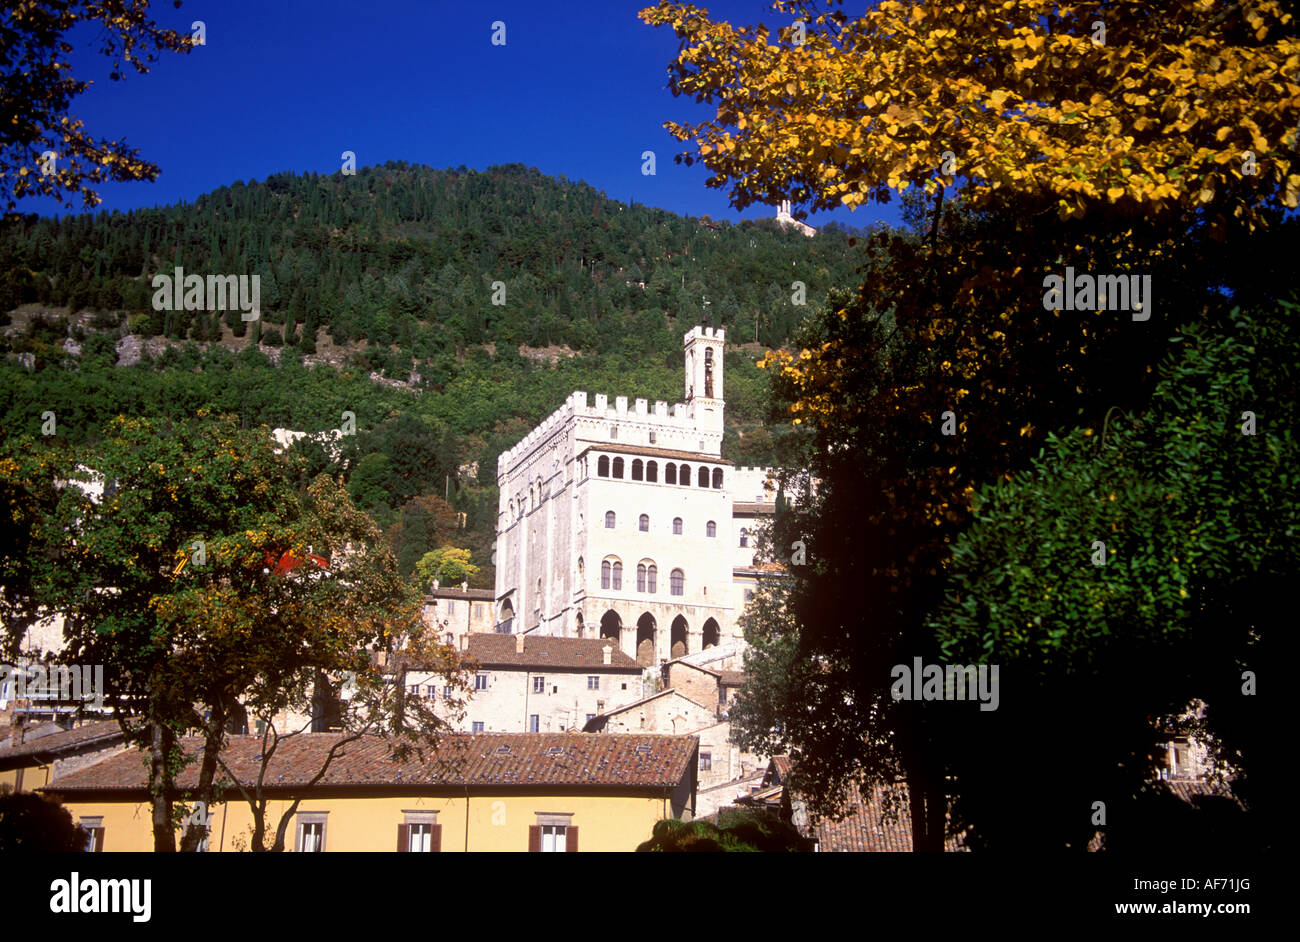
x=99, y=839
x=571, y=840
x=435, y=838
x=535, y=839
x=403, y=838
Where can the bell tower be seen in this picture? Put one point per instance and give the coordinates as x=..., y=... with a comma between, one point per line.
x=704, y=393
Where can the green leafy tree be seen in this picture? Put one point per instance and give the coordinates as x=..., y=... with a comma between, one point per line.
x=33, y=824
x=449, y=565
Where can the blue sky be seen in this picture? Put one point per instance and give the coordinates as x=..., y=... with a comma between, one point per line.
x=578, y=90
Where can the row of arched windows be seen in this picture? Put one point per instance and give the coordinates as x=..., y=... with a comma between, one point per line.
x=643, y=525
x=649, y=471
x=647, y=577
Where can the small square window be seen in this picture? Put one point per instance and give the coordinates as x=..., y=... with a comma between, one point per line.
x=476, y=727
x=593, y=682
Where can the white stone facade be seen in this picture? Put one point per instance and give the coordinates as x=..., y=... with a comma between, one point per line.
x=597, y=534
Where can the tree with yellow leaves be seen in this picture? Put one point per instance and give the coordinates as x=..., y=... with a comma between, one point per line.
x=44, y=150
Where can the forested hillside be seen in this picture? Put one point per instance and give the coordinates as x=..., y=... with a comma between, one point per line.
x=376, y=298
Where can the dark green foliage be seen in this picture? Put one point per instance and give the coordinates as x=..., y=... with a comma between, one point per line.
x=738, y=831
x=1200, y=524
x=377, y=255
x=30, y=823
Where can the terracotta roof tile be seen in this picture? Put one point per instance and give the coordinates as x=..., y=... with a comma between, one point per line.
x=446, y=592
x=99, y=731
x=460, y=759
x=545, y=652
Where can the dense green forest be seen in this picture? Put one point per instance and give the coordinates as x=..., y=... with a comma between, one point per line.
x=376, y=297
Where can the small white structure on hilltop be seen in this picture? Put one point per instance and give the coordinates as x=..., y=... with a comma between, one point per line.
x=784, y=218
x=623, y=521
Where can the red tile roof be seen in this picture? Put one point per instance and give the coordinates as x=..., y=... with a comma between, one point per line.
x=459, y=760
x=103, y=732
x=447, y=592
x=880, y=822
x=546, y=652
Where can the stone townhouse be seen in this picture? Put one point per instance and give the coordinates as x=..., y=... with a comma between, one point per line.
x=695, y=701
x=538, y=683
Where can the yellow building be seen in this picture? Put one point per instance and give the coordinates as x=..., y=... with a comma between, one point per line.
x=484, y=792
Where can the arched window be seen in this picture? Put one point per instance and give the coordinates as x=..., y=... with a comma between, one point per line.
x=640, y=577
x=684, y=475
x=602, y=466
x=677, y=526
x=609, y=520
x=618, y=575
x=652, y=472
x=670, y=473
x=717, y=478
x=604, y=574
x=744, y=537
x=638, y=470
x=618, y=467
x=702, y=480
x=677, y=582
x=652, y=578
x=710, y=529
x=643, y=524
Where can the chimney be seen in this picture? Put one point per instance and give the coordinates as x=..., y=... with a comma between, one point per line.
x=435, y=585
x=608, y=654
x=519, y=644
x=464, y=587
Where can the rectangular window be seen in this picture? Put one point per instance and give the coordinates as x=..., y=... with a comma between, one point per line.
x=539, y=685
x=311, y=834
x=652, y=438
x=420, y=838
x=476, y=727
x=446, y=693
x=478, y=609
x=413, y=690
x=613, y=431
x=480, y=681
x=593, y=682
x=94, y=833
x=535, y=723
x=554, y=839
x=706, y=761
x=451, y=608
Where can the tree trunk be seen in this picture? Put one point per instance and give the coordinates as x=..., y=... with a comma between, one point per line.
x=214, y=739
x=161, y=740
